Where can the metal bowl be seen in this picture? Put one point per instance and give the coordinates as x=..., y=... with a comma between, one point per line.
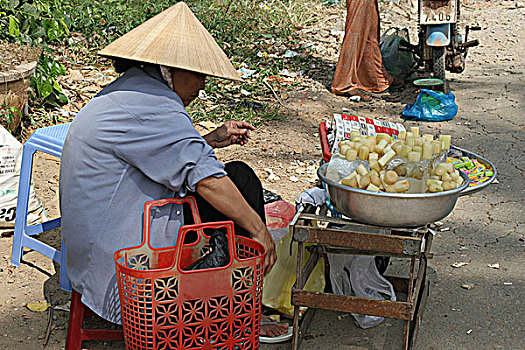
x=391, y=209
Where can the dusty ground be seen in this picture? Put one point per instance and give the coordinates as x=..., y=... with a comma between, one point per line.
x=485, y=228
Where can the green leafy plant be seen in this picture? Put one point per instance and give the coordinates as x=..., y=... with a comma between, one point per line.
x=38, y=23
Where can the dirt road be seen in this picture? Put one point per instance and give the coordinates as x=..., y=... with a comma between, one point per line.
x=471, y=307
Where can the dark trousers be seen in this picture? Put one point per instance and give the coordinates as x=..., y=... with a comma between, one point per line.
x=250, y=187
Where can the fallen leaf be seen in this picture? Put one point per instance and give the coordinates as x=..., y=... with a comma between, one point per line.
x=459, y=264
x=38, y=306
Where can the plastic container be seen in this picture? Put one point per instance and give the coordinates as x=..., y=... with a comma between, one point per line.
x=165, y=307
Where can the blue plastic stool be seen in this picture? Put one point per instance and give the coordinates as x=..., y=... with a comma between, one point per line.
x=48, y=140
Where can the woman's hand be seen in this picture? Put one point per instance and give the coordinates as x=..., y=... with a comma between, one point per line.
x=266, y=240
x=231, y=132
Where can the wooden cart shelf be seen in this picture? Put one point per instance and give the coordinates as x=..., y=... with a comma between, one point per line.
x=360, y=239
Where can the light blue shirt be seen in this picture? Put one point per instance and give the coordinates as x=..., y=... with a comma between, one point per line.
x=132, y=143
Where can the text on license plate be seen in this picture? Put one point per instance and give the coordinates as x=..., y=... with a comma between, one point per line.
x=436, y=12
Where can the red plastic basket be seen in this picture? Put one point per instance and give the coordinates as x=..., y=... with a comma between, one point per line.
x=164, y=307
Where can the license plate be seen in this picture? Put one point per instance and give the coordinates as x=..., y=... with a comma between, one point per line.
x=438, y=11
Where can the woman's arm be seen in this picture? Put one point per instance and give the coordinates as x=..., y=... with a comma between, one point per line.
x=224, y=196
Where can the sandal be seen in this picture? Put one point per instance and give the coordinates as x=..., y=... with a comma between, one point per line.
x=277, y=339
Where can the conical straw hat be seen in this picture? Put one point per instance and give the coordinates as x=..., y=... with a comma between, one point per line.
x=174, y=38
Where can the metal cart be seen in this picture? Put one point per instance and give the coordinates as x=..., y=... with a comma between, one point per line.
x=409, y=243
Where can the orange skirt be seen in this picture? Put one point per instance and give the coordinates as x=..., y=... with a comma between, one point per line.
x=360, y=65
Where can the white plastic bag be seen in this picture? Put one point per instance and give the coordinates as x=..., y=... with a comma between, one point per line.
x=338, y=168
x=277, y=291
x=357, y=275
x=10, y=163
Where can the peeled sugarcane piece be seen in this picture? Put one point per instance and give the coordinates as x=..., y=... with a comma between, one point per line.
x=351, y=155
x=397, y=148
x=414, y=156
x=450, y=168
x=367, y=143
x=381, y=136
x=427, y=150
x=402, y=135
x=447, y=139
x=386, y=137
x=455, y=176
x=344, y=142
x=381, y=146
x=363, y=181
x=411, y=141
x=386, y=158
x=418, y=141
x=390, y=177
x=344, y=148
x=441, y=169
x=417, y=149
x=390, y=189
x=448, y=185
x=356, y=145
x=402, y=186
x=435, y=188
x=374, y=178
x=372, y=156
x=428, y=137
x=363, y=152
x=351, y=176
x=432, y=181
x=361, y=170
x=372, y=141
x=387, y=149
x=446, y=177
x=350, y=182
x=374, y=164
x=382, y=178
x=404, y=151
x=415, y=130
x=354, y=135
x=372, y=187
x=436, y=146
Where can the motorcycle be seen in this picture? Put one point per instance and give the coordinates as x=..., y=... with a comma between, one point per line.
x=440, y=46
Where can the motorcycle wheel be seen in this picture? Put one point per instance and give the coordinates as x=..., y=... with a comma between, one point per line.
x=438, y=63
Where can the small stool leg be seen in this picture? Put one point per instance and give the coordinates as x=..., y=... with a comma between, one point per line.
x=65, y=284
x=22, y=204
x=76, y=322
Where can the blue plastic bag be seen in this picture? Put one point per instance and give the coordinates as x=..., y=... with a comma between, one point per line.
x=431, y=106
